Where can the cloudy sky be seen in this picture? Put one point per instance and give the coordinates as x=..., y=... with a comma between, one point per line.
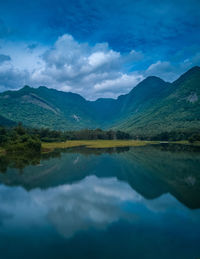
x=97, y=48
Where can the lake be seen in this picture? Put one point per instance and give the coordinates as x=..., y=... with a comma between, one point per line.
x=139, y=202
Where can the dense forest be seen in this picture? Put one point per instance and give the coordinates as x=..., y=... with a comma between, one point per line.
x=19, y=139
x=191, y=136
x=47, y=135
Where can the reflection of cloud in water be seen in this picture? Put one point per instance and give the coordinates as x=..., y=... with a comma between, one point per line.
x=91, y=203
x=76, y=160
x=190, y=180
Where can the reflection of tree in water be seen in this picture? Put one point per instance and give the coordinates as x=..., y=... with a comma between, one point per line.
x=21, y=160
x=18, y=161
x=172, y=147
x=95, y=151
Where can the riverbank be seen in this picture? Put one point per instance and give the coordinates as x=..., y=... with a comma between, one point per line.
x=47, y=147
x=51, y=146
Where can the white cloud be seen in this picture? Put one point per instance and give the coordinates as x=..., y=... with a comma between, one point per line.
x=169, y=71
x=162, y=69
x=97, y=59
x=123, y=81
x=77, y=67
x=92, y=71
x=93, y=202
x=88, y=70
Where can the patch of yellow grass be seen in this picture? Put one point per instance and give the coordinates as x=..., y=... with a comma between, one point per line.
x=94, y=144
x=2, y=151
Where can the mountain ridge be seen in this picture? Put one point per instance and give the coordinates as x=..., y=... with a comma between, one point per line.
x=142, y=109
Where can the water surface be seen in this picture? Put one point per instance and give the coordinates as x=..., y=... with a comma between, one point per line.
x=140, y=202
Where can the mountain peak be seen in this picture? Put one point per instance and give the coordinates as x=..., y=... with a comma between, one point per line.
x=26, y=87
x=151, y=82
x=194, y=69
x=188, y=74
x=42, y=87
x=153, y=79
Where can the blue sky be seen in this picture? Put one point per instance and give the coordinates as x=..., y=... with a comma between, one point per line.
x=97, y=48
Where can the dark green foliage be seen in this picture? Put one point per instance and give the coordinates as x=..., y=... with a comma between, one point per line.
x=19, y=139
x=194, y=137
x=47, y=135
x=20, y=130
x=191, y=136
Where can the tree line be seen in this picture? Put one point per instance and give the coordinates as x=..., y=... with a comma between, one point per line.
x=20, y=138
x=190, y=135
x=47, y=135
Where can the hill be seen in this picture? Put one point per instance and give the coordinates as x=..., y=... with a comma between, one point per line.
x=6, y=122
x=43, y=107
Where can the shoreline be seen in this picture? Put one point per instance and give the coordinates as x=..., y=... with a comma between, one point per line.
x=49, y=147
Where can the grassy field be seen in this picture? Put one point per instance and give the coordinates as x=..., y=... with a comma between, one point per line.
x=95, y=144
x=48, y=147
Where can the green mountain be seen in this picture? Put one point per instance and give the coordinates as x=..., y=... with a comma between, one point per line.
x=6, y=122
x=176, y=106
x=152, y=106
x=43, y=107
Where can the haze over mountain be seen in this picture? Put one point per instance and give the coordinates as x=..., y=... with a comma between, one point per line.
x=152, y=106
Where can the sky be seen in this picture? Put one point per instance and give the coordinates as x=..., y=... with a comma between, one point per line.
x=96, y=48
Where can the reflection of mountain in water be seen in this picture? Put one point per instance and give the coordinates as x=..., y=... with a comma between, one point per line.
x=151, y=171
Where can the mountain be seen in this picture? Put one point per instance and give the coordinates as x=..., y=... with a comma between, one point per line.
x=43, y=107
x=152, y=106
x=176, y=108
x=6, y=122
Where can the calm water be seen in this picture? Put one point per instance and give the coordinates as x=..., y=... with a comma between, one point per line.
x=140, y=202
